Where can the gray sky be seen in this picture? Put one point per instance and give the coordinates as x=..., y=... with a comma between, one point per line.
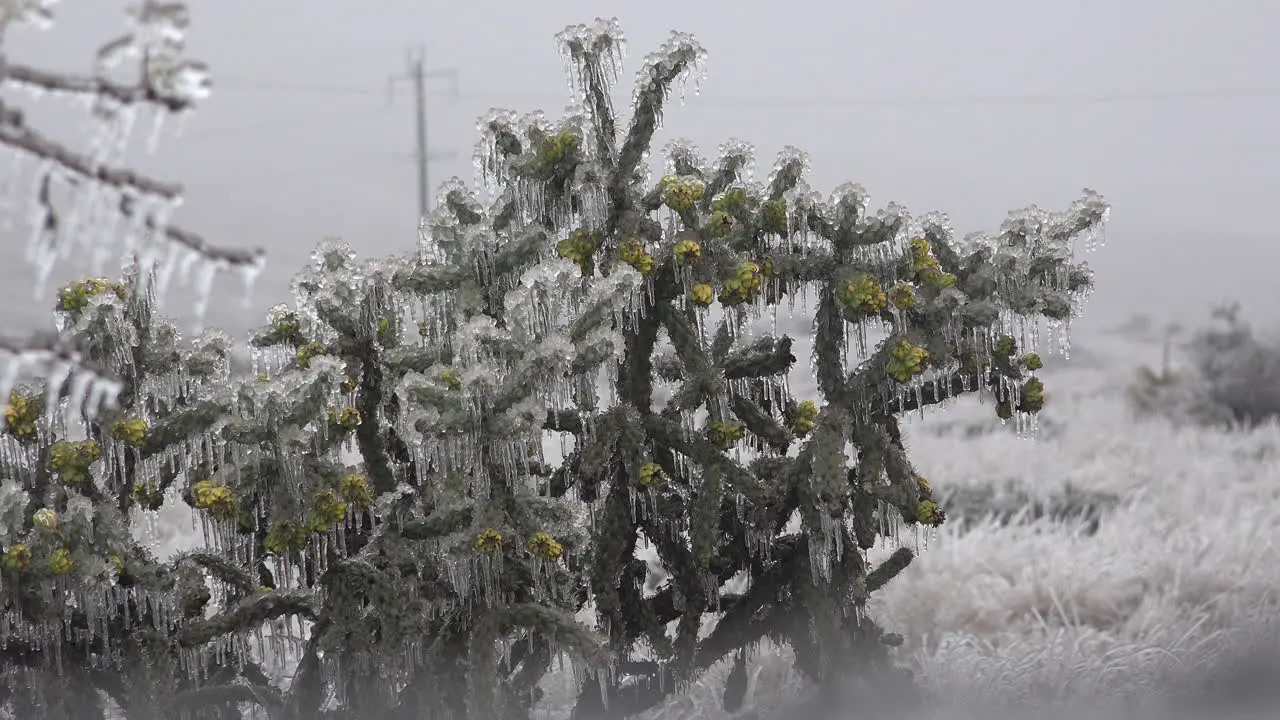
x=973, y=108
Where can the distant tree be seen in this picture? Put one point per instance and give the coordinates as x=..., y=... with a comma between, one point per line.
x=1231, y=378
x=379, y=482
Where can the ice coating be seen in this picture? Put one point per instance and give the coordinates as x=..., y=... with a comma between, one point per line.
x=683, y=157
x=592, y=52
x=739, y=154
x=35, y=12
x=680, y=51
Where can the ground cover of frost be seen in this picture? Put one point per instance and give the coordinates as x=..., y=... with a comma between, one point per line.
x=1174, y=575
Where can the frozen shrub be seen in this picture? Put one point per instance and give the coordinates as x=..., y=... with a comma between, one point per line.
x=385, y=533
x=1231, y=377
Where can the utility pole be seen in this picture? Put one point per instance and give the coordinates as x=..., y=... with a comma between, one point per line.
x=418, y=74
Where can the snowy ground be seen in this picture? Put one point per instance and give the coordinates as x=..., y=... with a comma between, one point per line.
x=1177, y=577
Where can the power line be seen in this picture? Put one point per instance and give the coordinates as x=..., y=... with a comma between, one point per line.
x=232, y=129
x=362, y=161
x=296, y=88
x=1095, y=98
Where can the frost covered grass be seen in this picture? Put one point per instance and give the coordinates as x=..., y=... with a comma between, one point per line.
x=1186, y=562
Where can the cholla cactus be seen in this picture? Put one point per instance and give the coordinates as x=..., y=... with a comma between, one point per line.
x=504, y=337
x=80, y=590
x=737, y=457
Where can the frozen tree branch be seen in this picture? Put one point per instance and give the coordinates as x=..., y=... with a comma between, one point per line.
x=37, y=12
x=57, y=359
x=49, y=82
x=14, y=133
x=222, y=695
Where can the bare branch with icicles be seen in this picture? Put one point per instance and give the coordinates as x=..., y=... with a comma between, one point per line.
x=14, y=133
x=43, y=81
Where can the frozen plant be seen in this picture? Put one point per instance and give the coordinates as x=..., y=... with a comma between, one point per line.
x=442, y=542
x=85, y=201
x=729, y=476
x=90, y=617
x=1232, y=377
x=386, y=532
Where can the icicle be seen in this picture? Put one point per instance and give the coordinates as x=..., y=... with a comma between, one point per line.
x=207, y=273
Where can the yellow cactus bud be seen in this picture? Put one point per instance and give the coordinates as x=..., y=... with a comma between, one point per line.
x=903, y=296
x=327, y=511
x=346, y=419
x=687, y=251
x=22, y=415
x=724, y=434
x=489, y=541
x=130, y=431
x=218, y=501
x=75, y=296
x=61, y=563
x=148, y=496
x=906, y=360
x=46, y=519
x=355, y=491
x=309, y=352
x=71, y=460
x=452, y=379
x=928, y=513
x=17, y=558
x=805, y=415
x=731, y=200
x=720, y=224
x=702, y=294
x=926, y=268
x=650, y=475
x=744, y=286
x=286, y=536
x=580, y=247
x=556, y=149
x=633, y=253
x=545, y=546
x=773, y=217
x=863, y=295
x=681, y=193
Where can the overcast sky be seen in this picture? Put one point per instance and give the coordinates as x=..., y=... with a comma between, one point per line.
x=1168, y=107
